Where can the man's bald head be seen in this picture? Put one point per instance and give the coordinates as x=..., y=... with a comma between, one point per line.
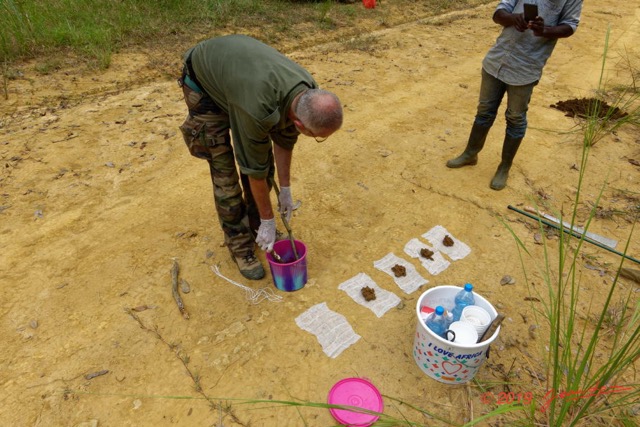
x=320, y=111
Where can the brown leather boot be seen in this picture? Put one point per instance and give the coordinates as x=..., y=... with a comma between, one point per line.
x=249, y=266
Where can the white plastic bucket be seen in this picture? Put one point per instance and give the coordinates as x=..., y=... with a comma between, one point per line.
x=443, y=360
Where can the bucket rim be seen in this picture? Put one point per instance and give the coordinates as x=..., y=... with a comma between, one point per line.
x=272, y=260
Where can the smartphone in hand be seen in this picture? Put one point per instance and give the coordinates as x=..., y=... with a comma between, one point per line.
x=530, y=11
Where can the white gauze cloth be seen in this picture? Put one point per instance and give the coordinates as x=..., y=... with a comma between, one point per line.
x=435, y=266
x=384, y=301
x=408, y=283
x=437, y=234
x=333, y=331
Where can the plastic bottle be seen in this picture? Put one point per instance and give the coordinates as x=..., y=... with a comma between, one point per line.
x=437, y=322
x=463, y=299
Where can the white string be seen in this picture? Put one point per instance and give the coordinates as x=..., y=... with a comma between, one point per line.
x=255, y=296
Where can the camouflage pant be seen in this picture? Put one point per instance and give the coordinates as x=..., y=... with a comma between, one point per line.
x=206, y=133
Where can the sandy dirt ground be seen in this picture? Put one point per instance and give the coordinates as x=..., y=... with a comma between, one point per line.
x=98, y=196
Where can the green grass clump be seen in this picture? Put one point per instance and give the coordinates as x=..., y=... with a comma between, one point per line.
x=89, y=31
x=95, y=28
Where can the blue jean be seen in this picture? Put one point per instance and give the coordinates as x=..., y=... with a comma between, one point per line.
x=492, y=91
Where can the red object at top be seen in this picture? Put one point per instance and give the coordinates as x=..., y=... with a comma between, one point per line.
x=369, y=4
x=425, y=309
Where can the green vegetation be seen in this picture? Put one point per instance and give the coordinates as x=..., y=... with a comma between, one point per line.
x=91, y=30
x=592, y=350
x=95, y=28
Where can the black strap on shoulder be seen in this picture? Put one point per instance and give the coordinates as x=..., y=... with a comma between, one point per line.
x=192, y=74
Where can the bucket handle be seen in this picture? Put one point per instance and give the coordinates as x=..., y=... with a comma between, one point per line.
x=446, y=335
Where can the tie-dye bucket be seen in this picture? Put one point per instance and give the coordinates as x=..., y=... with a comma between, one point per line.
x=443, y=360
x=291, y=274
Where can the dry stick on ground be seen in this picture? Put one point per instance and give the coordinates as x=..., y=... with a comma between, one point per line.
x=174, y=289
x=469, y=401
x=184, y=358
x=631, y=274
x=506, y=377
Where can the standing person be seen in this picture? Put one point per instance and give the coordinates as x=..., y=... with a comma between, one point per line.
x=514, y=65
x=236, y=83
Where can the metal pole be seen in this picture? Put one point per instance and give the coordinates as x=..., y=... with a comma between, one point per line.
x=285, y=222
x=573, y=233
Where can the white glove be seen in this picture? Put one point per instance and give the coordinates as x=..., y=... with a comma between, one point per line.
x=266, y=234
x=285, y=202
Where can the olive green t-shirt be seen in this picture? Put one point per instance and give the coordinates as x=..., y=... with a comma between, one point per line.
x=255, y=84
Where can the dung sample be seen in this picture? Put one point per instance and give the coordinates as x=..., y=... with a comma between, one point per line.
x=368, y=293
x=399, y=270
x=426, y=253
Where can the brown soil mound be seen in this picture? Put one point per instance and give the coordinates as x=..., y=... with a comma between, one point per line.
x=585, y=107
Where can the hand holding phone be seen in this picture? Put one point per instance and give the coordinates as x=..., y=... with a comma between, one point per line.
x=530, y=12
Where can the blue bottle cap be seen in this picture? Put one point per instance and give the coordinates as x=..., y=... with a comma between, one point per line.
x=468, y=287
x=439, y=310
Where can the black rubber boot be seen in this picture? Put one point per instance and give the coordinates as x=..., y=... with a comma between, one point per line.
x=470, y=155
x=509, y=150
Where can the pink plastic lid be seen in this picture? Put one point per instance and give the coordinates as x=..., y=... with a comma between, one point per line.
x=356, y=392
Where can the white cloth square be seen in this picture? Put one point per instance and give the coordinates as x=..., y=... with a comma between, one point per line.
x=437, y=234
x=434, y=266
x=333, y=331
x=384, y=301
x=408, y=283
